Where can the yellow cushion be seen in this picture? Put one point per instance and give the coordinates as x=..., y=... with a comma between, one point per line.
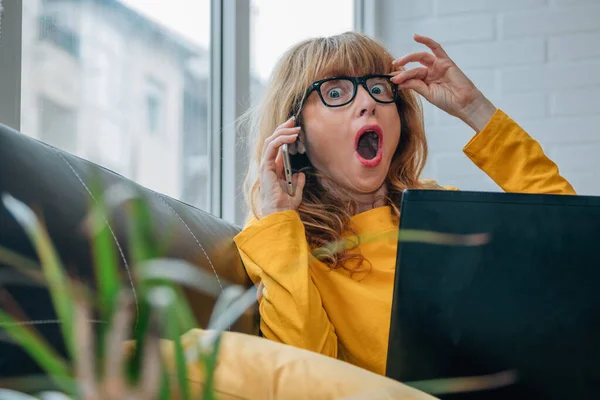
x=250, y=367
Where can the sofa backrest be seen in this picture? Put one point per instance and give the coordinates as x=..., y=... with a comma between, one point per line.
x=57, y=185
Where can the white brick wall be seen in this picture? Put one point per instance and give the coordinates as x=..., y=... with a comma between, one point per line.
x=538, y=60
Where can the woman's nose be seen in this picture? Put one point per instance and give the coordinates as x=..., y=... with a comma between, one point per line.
x=366, y=103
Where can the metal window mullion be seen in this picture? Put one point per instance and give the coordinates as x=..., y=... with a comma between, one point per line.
x=358, y=15
x=10, y=63
x=235, y=95
x=366, y=16
x=215, y=106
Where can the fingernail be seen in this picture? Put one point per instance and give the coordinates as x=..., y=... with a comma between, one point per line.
x=297, y=128
x=293, y=117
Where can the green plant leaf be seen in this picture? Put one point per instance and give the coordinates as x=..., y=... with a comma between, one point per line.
x=180, y=272
x=6, y=394
x=180, y=362
x=85, y=357
x=152, y=372
x=24, y=265
x=106, y=263
x=39, y=350
x=139, y=335
x=141, y=231
x=116, y=335
x=170, y=322
x=230, y=306
x=446, y=239
x=165, y=387
x=35, y=383
x=466, y=384
x=141, y=248
x=226, y=316
x=51, y=265
x=409, y=235
x=185, y=315
x=209, y=359
x=224, y=301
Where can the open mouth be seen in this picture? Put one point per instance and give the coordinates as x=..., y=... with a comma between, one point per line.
x=368, y=145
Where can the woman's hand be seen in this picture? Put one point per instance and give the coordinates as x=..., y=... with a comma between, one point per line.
x=273, y=189
x=443, y=84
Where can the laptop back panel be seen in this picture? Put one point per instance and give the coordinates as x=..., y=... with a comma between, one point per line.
x=527, y=301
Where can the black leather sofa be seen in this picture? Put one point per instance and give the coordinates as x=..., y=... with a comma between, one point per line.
x=57, y=185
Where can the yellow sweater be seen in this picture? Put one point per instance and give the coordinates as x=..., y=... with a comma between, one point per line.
x=308, y=305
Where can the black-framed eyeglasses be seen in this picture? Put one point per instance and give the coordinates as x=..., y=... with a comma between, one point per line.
x=341, y=90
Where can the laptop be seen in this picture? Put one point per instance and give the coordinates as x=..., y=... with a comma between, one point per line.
x=521, y=311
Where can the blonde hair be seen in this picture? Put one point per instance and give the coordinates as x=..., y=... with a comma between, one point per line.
x=324, y=213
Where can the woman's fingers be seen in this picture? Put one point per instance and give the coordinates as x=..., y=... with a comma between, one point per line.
x=280, y=132
x=287, y=124
x=298, y=180
x=415, y=73
x=423, y=57
x=271, y=150
x=281, y=129
x=415, y=84
x=435, y=47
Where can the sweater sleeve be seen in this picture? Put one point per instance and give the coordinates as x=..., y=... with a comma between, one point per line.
x=514, y=160
x=275, y=253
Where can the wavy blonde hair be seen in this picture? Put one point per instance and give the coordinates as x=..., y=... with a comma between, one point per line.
x=324, y=212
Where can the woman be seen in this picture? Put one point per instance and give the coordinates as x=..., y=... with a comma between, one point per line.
x=364, y=141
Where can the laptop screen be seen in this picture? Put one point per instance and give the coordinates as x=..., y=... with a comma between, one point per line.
x=527, y=301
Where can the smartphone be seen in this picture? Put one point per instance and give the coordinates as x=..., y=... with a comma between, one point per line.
x=287, y=169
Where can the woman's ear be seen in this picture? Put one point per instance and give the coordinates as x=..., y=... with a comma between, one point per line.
x=300, y=144
x=301, y=136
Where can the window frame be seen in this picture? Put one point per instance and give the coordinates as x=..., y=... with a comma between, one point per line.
x=366, y=17
x=230, y=56
x=11, y=41
x=235, y=65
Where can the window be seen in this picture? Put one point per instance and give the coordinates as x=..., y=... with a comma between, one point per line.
x=123, y=83
x=58, y=26
x=154, y=112
x=61, y=36
x=97, y=75
x=293, y=21
x=153, y=108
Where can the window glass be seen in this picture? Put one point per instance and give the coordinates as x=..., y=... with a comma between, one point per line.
x=278, y=25
x=123, y=83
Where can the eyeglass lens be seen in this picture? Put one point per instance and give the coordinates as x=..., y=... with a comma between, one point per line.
x=341, y=91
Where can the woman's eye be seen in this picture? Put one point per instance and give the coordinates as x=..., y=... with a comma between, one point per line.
x=378, y=89
x=335, y=93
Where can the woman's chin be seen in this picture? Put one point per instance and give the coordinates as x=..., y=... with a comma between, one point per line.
x=368, y=180
x=367, y=185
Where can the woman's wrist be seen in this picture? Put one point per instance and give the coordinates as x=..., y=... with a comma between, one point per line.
x=265, y=212
x=478, y=113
